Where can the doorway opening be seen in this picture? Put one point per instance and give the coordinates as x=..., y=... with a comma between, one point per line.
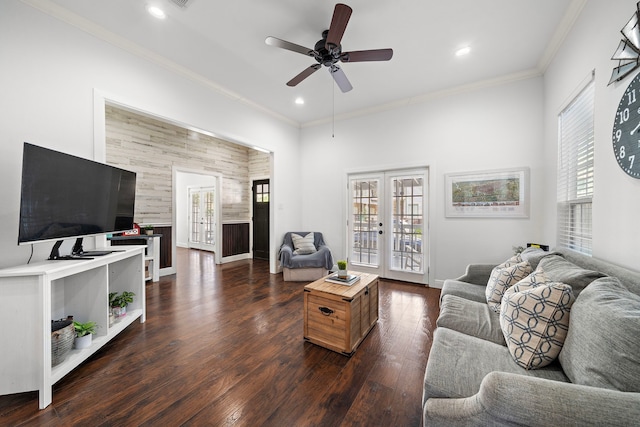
x=197, y=204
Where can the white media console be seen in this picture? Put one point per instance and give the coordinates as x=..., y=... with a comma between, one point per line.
x=33, y=295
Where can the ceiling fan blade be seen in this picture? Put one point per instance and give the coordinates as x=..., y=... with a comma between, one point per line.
x=339, y=21
x=340, y=78
x=283, y=44
x=303, y=75
x=367, y=55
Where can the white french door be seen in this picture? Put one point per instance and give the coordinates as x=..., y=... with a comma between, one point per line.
x=388, y=224
x=202, y=218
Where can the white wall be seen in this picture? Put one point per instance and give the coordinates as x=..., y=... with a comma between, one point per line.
x=48, y=76
x=491, y=128
x=616, y=202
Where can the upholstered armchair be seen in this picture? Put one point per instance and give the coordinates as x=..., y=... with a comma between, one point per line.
x=304, y=256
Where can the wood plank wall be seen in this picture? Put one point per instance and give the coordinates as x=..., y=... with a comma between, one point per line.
x=151, y=148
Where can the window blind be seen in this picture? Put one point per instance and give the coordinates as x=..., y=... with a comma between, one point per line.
x=575, y=172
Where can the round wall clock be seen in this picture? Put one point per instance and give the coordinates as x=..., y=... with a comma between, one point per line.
x=626, y=130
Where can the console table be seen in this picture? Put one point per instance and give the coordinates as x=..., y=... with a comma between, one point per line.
x=33, y=295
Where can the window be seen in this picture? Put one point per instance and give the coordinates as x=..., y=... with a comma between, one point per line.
x=575, y=172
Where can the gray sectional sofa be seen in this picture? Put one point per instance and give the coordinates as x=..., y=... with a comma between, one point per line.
x=475, y=376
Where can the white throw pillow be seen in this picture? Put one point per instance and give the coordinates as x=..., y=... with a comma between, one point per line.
x=303, y=245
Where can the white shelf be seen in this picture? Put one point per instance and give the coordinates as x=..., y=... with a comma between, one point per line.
x=75, y=357
x=152, y=253
x=33, y=295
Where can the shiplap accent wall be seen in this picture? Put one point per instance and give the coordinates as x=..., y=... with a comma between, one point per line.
x=259, y=164
x=152, y=147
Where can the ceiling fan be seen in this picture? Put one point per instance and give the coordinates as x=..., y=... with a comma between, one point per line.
x=328, y=50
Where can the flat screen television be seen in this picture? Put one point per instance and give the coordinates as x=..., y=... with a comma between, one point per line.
x=64, y=196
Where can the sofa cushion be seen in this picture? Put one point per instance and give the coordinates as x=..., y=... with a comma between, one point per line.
x=303, y=245
x=503, y=277
x=533, y=256
x=602, y=348
x=534, y=317
x=458, y=363
x=558, y=269
x=470, y=317
x=464, y=290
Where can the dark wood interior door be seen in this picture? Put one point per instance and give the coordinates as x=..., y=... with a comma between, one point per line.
x=260, y=190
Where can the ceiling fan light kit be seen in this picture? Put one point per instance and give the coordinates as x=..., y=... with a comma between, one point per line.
x=328, y=51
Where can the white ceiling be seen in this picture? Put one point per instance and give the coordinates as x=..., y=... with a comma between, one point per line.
x=222, y=44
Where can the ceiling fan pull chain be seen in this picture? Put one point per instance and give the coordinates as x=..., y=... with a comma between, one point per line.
x=333, y=112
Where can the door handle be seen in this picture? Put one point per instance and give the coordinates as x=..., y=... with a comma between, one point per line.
x=325, y=310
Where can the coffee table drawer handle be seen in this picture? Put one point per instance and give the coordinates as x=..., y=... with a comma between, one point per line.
x=325, y=310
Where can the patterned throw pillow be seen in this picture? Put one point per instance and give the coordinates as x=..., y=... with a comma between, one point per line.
x=534, y=318
x=503, y=277
x=303, y=245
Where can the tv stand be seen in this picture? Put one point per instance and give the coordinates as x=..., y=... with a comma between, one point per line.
x=69, y=258
x=77, y=250
x=55, y=251
x=33, y=295
x=76, y=253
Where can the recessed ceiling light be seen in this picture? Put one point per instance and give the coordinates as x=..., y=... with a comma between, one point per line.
x=299, y=101
x=463, y=51
x=156, y=12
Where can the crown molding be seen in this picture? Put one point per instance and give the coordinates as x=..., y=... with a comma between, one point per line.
x=420, y=99
x=566, y=24
x=101, y=33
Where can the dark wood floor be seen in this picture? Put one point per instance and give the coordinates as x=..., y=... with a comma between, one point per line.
x=223, y=346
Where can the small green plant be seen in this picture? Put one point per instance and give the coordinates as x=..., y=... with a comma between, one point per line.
x=83, y=329
x=120, y=300
x=148, y=227
x=342, y=265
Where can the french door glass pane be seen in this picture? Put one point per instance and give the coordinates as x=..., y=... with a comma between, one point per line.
x=365, y=222
x=407, y=201
x=209, y=223
x=195, y=217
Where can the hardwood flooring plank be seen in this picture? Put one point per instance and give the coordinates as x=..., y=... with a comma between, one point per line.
x=223, y=345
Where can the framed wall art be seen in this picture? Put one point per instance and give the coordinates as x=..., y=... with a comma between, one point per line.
x=500, y=193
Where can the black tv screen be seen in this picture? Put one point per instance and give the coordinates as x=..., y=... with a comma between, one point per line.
x=66, y=196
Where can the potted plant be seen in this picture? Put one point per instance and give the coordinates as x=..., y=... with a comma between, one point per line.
x=148, y=229
x=119, y=303
x=342, y=268
x=83, y=333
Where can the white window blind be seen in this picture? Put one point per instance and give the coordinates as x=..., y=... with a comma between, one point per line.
x=575, y=172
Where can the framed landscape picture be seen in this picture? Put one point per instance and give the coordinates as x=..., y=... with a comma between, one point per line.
x=498, y=193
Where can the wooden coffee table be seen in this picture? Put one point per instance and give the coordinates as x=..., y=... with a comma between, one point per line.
x=339, y=317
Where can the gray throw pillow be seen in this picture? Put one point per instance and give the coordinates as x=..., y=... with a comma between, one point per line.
x=602, y=348
x=533, y=256
x=558, y=269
